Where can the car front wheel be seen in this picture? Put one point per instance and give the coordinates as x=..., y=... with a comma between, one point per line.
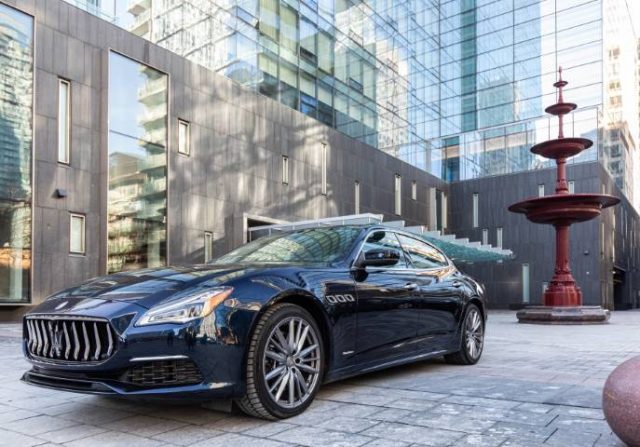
x=471, y=339
x=284, y=363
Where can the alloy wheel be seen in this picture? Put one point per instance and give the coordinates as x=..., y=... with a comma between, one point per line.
x=474, y=333
x=291, y=362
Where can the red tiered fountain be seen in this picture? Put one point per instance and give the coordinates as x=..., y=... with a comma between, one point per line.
x=562, y=301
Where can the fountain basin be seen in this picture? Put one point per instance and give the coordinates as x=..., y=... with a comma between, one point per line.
x=564, y=209
x=561, y=147
x=560, y=108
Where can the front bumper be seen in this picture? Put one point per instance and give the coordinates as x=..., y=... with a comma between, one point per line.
x=212, y=346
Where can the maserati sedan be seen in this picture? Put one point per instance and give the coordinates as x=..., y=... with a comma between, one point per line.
x=263, y=326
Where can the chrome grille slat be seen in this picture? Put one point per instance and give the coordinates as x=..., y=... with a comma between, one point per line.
x=38, y=337
x=56, y=338
x=87, y=343
x=98, y=346
x=110, y=337
x=45, y=336
x=67, y=341
x=51, y=336
x=76, y=340
x=31, y=340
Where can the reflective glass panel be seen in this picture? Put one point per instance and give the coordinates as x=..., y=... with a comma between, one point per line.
x=16, y=135
x=137, y=165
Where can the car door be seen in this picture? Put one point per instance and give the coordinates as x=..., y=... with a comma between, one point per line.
x=439, y=292
x=385, y=323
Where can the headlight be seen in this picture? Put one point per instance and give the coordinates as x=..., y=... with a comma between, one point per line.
x=186, y=309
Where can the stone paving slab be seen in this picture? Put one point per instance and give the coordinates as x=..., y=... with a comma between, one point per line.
x=535, y=385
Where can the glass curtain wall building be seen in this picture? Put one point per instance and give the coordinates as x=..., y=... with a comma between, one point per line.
x=16, y=138
x=455, y=87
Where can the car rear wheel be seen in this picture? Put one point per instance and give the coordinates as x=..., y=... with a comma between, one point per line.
x=471, y=339
x=284, y=363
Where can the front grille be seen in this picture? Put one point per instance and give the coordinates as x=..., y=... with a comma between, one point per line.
x=163, y=372
x=71, y=339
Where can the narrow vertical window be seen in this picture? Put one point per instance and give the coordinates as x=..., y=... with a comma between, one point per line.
x=184, y=137
x=414, y=190
x=541, y=190
x=476, y=200
x=77, y=234
x=485, y=236
x=444, y=207
x=525, y=283
x=499, y=237
x=356, y=193
x=602, y=230
x=572, y=187
x=64, y=121
x=208, y=246
x=285, y=170
x=324, y=169
x=398, y=194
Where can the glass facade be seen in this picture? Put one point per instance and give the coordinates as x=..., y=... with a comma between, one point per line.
x=137, y=198
x=16, y=137
x=455, y=87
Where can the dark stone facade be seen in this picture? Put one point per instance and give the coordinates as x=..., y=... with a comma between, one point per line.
x=592, y=253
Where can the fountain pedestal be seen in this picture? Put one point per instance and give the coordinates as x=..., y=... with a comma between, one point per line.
x=562, y=300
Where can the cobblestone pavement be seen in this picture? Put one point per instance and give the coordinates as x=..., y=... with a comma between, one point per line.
x=534, y=385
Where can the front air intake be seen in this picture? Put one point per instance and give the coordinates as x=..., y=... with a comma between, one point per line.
x=163, y=373
x=70, y=339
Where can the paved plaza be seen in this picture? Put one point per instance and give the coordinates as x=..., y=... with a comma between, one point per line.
x=535, y=385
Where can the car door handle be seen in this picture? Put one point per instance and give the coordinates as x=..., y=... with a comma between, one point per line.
x=456, y=284
x=410, y=286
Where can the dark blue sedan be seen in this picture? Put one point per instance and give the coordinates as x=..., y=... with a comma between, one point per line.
x=264, y=325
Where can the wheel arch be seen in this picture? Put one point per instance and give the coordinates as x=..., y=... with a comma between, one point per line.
x=311, y=304
x=480, y=303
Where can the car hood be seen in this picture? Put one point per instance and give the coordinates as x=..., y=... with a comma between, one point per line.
x=148, y=287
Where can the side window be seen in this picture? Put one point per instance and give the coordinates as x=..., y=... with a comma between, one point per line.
x=421, y=254
x=385, y=239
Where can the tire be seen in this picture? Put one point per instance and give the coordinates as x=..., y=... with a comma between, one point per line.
x=471, y=339
x=278, y=365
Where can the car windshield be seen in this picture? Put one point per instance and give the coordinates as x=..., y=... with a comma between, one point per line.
x=313, y=245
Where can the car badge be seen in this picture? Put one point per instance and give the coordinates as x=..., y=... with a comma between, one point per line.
x=62, y=305
x=56, y=342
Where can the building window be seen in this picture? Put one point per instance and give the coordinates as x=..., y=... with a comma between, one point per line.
x=324, y=169
x=356, y=193
x=476, y=200
x=499, y=237
x=541, y=190
x=414, y=190
x=16, y=140
x=485, y=236
x=137, y=151
x=77, y=236
x=398, y=194
x=64, y=120
x=525, y=284
x=602, y=231
x=444, y=206
x=208, y=246
x=285, y=170
x=572, y=187
x=184, y=137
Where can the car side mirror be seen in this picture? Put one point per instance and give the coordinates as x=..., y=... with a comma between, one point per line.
x=379, y=257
